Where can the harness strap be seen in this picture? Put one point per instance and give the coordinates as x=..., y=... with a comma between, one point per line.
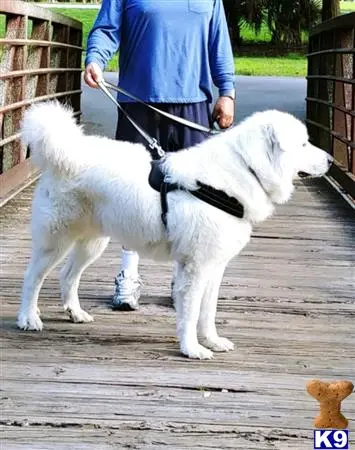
x=219, y=199
x=164, y=203
x=207, y=194
x=172, y=117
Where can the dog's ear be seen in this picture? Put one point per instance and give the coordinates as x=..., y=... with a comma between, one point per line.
x=270, y=173
x=276, y=139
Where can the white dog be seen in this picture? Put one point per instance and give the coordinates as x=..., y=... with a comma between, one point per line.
x=93, y=187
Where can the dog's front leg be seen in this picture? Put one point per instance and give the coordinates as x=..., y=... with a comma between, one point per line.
x=190, y=283
x=207, y=321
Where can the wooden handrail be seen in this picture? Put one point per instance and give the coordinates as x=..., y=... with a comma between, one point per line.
x=331, y=94
x=37, y=63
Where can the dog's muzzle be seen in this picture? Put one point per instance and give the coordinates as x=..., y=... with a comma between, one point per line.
x=330, y=161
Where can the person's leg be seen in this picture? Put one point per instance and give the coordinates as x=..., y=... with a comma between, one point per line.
x=199, y=113
x=172, y=137
x=127, y=282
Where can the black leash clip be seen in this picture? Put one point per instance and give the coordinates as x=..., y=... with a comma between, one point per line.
x=153, y=145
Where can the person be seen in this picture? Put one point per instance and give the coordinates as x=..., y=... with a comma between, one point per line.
x=170, y=55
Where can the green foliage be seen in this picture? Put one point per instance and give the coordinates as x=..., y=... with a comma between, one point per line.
x=287, y=20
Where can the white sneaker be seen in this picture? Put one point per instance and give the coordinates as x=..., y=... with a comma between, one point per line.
x=127, y=292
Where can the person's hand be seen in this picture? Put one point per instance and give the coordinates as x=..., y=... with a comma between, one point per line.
x=223, y=111
x=93, y=74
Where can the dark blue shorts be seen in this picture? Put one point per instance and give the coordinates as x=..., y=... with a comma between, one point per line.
x=170, y=135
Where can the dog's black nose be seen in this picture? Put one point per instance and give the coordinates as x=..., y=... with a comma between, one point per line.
x=303, y=174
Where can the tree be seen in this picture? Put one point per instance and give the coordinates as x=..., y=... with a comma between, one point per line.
x=286, y=19
x=330, y=9
x=240, y=13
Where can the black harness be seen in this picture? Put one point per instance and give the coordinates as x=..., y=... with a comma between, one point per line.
x=208, y=194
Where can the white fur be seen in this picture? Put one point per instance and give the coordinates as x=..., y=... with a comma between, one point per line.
x=93, y=188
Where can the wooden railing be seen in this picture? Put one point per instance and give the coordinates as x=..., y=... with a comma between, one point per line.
x=331, y=95
x=40, y=59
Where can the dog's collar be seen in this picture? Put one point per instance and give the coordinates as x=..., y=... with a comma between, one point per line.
x=214, y=197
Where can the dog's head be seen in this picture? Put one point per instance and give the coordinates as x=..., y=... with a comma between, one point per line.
x=282, y=152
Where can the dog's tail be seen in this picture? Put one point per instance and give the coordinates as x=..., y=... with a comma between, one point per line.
x=53, y=136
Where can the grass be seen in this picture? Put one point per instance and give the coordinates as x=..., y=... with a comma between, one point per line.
x=346, y=7
x=283, y=66
x=86, y=16
x=264, y=35
x=292, y=65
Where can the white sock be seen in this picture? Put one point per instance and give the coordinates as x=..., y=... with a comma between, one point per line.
x=129, y=262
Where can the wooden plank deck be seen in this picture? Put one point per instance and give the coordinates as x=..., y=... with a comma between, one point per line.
x=119, y=383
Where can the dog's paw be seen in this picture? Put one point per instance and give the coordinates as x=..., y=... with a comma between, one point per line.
x=79, y=315
x=197, y=352
x=30, y=322
x=219, y=344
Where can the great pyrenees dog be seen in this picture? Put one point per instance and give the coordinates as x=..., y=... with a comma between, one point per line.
x=92, y=188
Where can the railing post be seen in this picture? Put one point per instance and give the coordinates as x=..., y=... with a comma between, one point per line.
x=40, y=59
x=331, y=95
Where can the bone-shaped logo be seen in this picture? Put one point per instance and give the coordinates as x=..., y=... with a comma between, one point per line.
x=330, y=396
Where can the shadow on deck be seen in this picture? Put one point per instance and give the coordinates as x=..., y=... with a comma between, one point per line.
x=287, y=302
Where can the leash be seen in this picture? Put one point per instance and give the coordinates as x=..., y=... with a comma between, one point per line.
x=152, y=142
x=104, y=84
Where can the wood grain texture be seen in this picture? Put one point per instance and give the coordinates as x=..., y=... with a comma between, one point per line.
x=287, y=302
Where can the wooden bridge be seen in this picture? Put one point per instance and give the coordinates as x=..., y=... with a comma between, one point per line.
x=287, y=301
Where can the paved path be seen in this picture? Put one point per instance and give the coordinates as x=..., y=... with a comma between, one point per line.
x=254, y=94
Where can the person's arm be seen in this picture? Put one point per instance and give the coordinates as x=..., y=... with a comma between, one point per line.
x=104, y=40
x=222, y=66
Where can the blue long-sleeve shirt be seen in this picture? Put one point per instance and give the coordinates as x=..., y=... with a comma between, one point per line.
x=170, y=51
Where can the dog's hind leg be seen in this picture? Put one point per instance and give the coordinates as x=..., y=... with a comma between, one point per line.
x=84, y=253
x=190, y=283
x=207, y=320
x=47, y=251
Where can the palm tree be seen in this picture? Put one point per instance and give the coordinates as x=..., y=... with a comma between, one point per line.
x=286, y=19
x=331, y=8
x=243, y=12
